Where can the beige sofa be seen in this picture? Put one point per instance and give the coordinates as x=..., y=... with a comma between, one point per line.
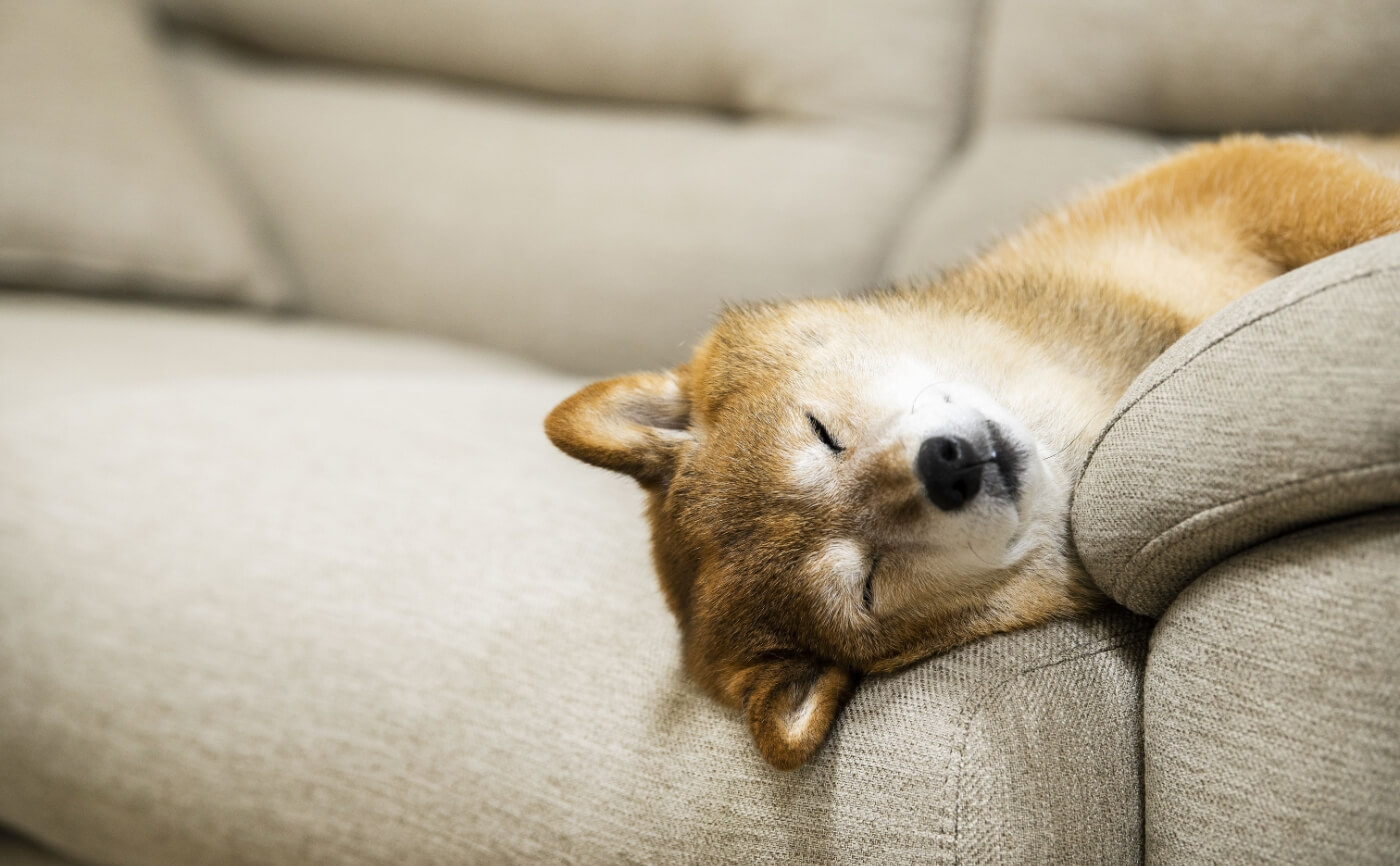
x=289, y=573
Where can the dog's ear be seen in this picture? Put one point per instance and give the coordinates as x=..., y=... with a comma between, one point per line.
x=632, y=424
x=791, y=705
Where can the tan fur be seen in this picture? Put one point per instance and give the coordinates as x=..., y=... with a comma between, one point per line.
x=793, y=567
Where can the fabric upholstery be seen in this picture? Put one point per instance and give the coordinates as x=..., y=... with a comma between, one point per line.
x=877, y=60
x=105, y=183
x=1272, y=705
x=55, y=347
x=15, y=851
x=1278, y=412
x=1005, y=177
x=1196, y=66
x=374, y=617
x=595, y=238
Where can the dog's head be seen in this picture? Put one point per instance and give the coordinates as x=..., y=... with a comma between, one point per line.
x=836, y=487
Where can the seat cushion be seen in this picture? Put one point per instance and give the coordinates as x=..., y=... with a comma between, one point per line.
x=56, y=347
x=370, y=615
x=1278, y=412
x=106, y=183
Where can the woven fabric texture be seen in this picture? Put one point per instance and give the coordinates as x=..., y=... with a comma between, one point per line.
x=1272, y=705
x=1278, y=412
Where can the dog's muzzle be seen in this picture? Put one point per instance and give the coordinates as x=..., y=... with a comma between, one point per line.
x=952, y=467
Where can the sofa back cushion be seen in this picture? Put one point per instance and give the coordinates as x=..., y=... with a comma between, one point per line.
x=592, y=183
x=880, y=58
x=1197, y=65
x=1278, y=412
x=105, y=181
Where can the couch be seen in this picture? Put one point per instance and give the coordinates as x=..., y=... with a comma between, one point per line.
x=290, y=574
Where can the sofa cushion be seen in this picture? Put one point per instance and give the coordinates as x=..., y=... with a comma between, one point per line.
x=104, y=183
x=877, y=60
x=1196, y=66
x=56, y=347
x=595, y=238
x=1278, y=412
x=1272, y=705
x=1006, y=176
x=373, y=617
x=15, y=851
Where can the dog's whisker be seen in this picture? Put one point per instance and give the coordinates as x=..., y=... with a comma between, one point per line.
x=974, y=552
x=922, y=391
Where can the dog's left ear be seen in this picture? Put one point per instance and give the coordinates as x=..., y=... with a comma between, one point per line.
x=633, y=424
x=791, y=705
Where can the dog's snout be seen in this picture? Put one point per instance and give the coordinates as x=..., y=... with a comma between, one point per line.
x=950, y=468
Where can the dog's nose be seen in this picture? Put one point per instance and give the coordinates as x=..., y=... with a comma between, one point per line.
x=951, y=469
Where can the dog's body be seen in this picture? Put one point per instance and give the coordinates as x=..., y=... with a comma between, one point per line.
x=850, y=485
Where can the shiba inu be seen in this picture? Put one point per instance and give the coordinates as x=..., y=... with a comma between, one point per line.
x=848, y=485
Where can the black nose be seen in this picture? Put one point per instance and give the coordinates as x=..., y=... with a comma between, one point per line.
x=951, y=469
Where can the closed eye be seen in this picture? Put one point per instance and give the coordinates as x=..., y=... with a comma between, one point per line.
x=824, y=434
x=868, y=594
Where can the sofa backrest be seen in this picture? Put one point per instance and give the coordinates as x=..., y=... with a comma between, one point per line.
x=586, y=182
x=583, y=181
x=779, y=58
x=1196, y=66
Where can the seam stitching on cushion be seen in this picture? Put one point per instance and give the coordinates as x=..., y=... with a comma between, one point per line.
x=1122, y=413
x=1163, y=539
x=974, y=706
x=954, y=775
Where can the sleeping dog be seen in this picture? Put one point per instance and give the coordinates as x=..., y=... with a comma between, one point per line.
x=849, y=485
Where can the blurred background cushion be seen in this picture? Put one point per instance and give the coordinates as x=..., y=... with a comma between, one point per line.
x=595, y=237
x=17, y=851
x=1195, y=66
x=900, y=60
x=1007, y=176
x=105, y=183
x=1278, y=412
x=701, y=153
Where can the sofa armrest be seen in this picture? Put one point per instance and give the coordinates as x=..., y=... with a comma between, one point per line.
x=1281, y=411
x=1271, y=705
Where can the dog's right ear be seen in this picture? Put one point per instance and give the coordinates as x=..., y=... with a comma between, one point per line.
x=791, y=705
x=632, y=424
